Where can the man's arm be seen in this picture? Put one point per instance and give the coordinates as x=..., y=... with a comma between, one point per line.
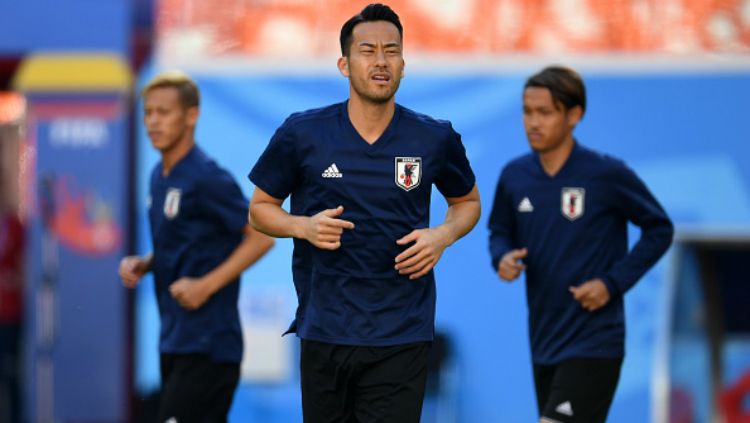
x=429, y=244
x=639, y=206
x=323, y=230
x=506, y=259
x=192, y=293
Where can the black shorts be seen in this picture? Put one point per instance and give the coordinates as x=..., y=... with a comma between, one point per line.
x=342, y=383
x=195, y=389
x=576, y=390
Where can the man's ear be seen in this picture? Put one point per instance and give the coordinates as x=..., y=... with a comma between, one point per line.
x=343, y=65
x=192, y=115
x=575, y=115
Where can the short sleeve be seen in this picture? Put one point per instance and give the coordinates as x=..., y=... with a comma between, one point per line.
x=224, y=202
x=276, y=171
x=456, y=178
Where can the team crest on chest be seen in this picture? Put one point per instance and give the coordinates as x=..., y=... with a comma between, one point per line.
x=572, y=203
x=172, y=203
x=408, y=172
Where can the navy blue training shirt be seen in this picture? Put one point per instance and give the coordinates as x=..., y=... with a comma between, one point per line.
x=197, y=215
x=574, y=225
x=353, y=295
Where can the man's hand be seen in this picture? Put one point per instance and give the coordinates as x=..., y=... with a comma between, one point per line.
x=324, y=230
x=510, y=266
x=592, y=294
x=190, y=293
x=417, y=260
x=132, y=269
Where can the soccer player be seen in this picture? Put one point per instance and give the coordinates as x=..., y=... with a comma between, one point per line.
x=360, y=175
x=560, y=213
x=201, y=243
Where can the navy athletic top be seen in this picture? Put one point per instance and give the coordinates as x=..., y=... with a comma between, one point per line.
x=197, y=215
x=353, y=295
x=574, y=225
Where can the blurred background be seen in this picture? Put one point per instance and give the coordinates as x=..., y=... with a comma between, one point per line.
x=668, y=83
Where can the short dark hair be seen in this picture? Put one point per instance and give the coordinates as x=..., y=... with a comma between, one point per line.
x=187, y=88
x=372, y=12
x=565, y=85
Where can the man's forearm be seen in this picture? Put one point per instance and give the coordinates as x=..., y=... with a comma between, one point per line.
x=463, y=214
x=250, y=250
x=274, y=221
x=460, y=219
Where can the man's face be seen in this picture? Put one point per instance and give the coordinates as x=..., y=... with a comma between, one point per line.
x=547, y=123
x=375, y=63
x=167, y=122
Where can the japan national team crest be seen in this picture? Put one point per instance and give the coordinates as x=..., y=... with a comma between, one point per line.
x=408, y=172
x=573, y=202
x=172, y=203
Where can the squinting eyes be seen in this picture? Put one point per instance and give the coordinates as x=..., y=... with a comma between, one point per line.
x=156, y=112
x=541, y=112
x=386, y=52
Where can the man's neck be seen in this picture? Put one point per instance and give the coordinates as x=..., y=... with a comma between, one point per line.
x=553, y=160
x=369, y=119
x=171, y=157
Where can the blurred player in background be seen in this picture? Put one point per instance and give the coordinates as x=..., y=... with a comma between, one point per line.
x=201, y=244
x=560, y=213
x=360, y=175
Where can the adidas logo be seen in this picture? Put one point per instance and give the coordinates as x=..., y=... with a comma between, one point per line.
x=565, y=409
x=332, y=172
x=525, y=205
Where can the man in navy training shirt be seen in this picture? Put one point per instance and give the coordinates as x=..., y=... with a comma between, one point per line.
x=560, y=213
x=201, y=243
x=360, y=175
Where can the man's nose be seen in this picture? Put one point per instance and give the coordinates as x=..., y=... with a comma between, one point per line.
x=380, y=57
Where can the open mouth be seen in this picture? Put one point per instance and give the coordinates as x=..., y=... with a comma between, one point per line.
x=381, y=78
